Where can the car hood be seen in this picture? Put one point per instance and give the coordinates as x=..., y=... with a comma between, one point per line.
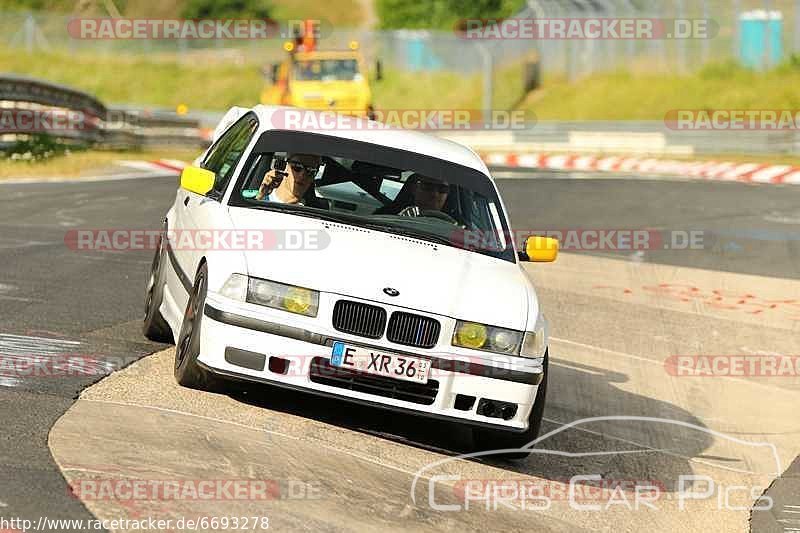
x=360, y=262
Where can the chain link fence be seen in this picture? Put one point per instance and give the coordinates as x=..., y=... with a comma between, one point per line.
x=409, y=50
x=741, y=31
x=505, y=67
x=406, y=51
x=415, y=50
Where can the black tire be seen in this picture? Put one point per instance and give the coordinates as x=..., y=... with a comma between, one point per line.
x=187, y=372
x=154, y=326
x=496, y=439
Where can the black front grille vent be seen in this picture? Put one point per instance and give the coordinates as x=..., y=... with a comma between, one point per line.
x=359, y=319
x=413, y=330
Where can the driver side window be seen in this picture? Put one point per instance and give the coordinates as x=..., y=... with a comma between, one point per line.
x=225, y=154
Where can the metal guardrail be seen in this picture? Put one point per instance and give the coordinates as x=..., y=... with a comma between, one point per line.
x=128, y=128
x=89, y=120
x=31, y=90
x=656, y=136
x=631, y=137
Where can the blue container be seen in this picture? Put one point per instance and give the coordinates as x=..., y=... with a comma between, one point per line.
x=754, y=52
x=419, y=54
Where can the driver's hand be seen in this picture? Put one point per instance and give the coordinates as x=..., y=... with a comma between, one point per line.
x=271, y=180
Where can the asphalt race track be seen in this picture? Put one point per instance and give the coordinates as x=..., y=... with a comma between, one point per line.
x=616, y=317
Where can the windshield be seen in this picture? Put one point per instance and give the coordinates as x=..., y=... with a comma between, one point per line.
x=376, y=187
x=326, y=70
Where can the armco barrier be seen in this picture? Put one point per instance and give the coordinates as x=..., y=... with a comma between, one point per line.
x=652, y=138
x=97, y=124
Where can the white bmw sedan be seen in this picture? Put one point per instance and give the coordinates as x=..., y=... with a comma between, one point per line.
x=368, y=264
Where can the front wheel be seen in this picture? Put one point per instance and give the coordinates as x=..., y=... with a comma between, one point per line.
x=497, y=439
x=154, y=326
x=188, y=372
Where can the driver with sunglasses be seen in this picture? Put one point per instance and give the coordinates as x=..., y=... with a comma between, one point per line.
x=430, y=194
x=291, y=188
x=427, y=194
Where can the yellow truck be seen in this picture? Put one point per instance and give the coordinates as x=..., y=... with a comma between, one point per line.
x=335, y=80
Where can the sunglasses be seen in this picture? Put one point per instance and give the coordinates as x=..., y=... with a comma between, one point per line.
x=441, y=188
x=300, y=167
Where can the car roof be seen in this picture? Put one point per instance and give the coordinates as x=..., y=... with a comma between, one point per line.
x=411, y=141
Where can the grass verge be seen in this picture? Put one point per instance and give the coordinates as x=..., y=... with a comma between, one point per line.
x=219, y=85
x=120, y=78
x=85, y=163
x=623, y=96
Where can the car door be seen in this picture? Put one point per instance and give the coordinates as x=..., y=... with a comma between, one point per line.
x=197, y=214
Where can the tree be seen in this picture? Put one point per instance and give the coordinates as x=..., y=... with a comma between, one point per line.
x=441, y=14
x=226, y=9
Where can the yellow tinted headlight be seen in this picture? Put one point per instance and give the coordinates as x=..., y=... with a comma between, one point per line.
x=470, y=335
x=298, y=300
x=487, y=338
x=289, y=298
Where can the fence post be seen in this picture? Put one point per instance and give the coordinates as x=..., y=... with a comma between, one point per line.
x=797, y=27
x=705, y=42
x=30, y=33
x=768, y=36
x=631, y=43
x=681, y=41
x=737, y=13
x=488, y=82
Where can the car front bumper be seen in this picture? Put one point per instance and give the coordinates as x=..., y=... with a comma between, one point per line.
x=239, y=345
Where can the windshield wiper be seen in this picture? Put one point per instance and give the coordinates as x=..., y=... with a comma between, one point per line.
x=302, y=211
x=421, y=235
x=355, y=221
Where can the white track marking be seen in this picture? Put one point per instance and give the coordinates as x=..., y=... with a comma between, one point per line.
x=7, y=381
x=29, y=352
x=661, y=364
x=90, y=179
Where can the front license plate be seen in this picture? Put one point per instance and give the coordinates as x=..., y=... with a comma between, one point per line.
x=390, y=365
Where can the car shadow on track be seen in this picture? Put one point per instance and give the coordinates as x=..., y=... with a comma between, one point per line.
x=616, y=449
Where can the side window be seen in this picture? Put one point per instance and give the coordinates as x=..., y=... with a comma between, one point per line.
x=224, y=156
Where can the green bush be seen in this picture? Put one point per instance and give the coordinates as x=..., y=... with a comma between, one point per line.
x=441, y=14
x=227, y=9
x=38, y=147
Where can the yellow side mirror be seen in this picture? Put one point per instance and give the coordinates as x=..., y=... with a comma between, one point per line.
x=198, y=180
x=540, y=249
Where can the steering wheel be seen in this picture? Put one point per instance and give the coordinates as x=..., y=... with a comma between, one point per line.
x=415, y=211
